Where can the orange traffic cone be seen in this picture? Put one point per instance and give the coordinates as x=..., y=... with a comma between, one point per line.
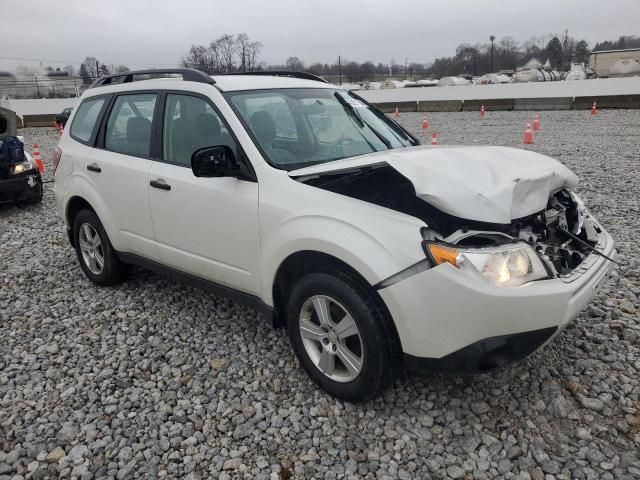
x=434, y=138
x=536, y=122
x=482, y=110
x=528, y=135
x=397, y=113
x=594, y=109
x=425, y=123
x=37, y=159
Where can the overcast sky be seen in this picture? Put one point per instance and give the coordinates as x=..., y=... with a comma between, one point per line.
x=144, y=33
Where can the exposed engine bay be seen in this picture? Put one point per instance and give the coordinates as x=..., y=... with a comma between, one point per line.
x=563, y=234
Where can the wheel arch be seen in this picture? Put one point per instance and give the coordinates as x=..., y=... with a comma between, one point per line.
x=74, y=206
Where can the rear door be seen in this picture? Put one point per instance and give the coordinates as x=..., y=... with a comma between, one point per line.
x=119, y=170
x=204, y=226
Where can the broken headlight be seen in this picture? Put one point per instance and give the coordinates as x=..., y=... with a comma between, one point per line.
x=502, y=266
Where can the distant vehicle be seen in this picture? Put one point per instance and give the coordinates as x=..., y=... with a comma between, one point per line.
x=301, y=199
x=63, y=116
x=20, y=180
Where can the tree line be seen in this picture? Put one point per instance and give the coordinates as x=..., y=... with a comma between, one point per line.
x=238, y=53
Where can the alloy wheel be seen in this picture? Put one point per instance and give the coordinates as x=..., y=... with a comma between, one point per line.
x=91, y=248
x=331, y=338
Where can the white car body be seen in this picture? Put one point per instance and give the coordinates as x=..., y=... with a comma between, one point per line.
x=238, y=234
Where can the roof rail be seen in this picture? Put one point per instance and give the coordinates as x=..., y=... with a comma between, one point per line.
x=281, y=73
x=188, y=75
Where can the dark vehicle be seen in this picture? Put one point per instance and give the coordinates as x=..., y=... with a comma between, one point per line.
x=63, y=116
x=20, y=179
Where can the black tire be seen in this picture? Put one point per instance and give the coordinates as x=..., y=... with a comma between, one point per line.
x=378, y=344
x=113, y=269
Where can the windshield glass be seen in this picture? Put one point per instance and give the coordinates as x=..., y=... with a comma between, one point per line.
x=296, y=128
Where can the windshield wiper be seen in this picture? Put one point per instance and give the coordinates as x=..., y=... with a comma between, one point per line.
x=351, y=109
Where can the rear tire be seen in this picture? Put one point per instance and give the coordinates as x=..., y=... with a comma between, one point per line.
x=356, y=332
x=94, y=250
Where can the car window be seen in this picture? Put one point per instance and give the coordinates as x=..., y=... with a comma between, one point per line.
x=295, y=128
x=85, y=119
x=191, y=123
x=278, y=108
x=129, y=124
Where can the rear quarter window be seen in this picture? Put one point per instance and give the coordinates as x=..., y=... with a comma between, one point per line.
x=84, y=122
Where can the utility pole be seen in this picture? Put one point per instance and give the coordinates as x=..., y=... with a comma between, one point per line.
x=565, y=46
x=406, y=59
x=492, y=38
x=340, y=69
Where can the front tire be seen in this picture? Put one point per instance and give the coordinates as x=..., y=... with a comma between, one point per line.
x=342, y=336
x=94, y=250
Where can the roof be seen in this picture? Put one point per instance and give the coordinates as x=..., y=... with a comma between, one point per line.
x=226, y=83
x=616, y=51
x=230, y=83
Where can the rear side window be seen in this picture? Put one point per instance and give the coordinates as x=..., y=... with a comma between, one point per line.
x=85, y=120
x=129, y=124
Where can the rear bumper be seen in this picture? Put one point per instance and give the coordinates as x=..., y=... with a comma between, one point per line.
x=452, y=322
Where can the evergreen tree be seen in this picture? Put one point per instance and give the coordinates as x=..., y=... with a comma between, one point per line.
x=554, y=52
x=84, y=74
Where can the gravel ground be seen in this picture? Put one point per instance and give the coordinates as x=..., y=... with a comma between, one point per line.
x=156, y=379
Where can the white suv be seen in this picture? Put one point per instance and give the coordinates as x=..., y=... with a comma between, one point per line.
x=298, y=197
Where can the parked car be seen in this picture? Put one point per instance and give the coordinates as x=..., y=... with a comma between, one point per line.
x=303, y=200
x=63, y=116
x=20, y=180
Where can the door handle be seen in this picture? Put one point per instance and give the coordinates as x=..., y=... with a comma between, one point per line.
x=160, y=183
x=93, y=167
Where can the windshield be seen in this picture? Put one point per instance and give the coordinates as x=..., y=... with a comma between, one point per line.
x=295, y=128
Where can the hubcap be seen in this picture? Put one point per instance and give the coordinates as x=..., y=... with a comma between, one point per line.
x=331, y=338
x=91, y=248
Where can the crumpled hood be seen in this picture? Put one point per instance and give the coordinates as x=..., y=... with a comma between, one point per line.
x=482, y=183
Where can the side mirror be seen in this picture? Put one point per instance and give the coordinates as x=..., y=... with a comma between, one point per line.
x=217, y=161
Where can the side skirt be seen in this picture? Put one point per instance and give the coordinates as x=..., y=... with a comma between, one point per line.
x=219, y=290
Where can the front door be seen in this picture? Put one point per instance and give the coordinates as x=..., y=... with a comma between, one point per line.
x=204, y=226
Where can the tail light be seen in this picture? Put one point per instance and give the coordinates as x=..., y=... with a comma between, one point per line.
x=57, y=155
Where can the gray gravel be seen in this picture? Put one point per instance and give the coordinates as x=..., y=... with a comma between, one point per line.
x=155, y=379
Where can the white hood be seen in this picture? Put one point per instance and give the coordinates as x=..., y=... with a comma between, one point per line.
x=487, y=184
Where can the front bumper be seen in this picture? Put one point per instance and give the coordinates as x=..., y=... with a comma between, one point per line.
x=19, y=187
x=448, y=321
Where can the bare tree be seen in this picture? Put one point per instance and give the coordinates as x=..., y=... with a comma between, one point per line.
x=201, y=58
x=294, y=64
x=243, y=44
x=252, y=56
x=226, y=45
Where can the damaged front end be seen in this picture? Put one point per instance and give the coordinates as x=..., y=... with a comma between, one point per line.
x=563, y=235
x=548, y=243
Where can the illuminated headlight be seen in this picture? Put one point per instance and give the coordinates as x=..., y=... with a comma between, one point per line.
x=504, y=266
x=22, y=167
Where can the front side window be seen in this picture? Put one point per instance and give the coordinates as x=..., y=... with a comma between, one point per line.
x=85, y=120
x=129, y=124
x=296, y=128
x=191, y=123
